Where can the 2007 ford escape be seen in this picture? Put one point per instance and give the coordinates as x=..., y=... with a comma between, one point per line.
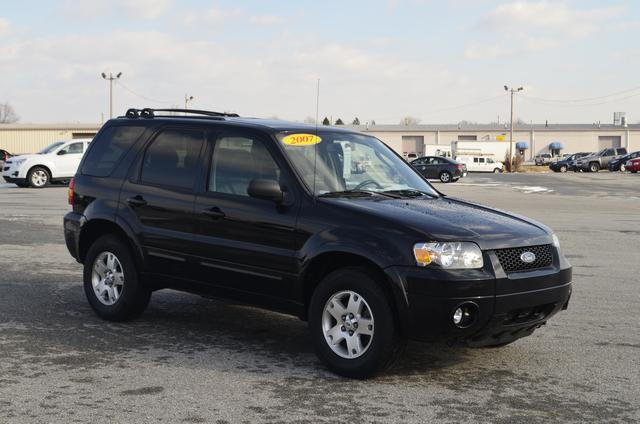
x=326, y=224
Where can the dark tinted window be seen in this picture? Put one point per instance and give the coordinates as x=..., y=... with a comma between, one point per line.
x=238, y=160
x=172, y=158
x=107, y=150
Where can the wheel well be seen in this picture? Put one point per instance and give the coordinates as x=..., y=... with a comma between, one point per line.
x=46, y=168
x=95, y=229
x=326, y=263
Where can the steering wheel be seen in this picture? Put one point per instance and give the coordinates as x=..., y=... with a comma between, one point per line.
x=366, y=183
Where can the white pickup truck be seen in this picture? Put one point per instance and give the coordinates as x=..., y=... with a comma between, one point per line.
x=57, y=162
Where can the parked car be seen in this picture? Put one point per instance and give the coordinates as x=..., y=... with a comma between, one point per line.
x=445, y=169
x=4, y=155
x=542, y=159
x=633, y=165
x=263, y=212
x=567, y=163
x=57, y=162
x=481, y=163
x=620, y=163
x=600, y=160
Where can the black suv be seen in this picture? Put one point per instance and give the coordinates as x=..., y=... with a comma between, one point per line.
x=272, y=214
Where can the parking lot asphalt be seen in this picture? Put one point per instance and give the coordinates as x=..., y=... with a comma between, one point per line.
x=193, y=360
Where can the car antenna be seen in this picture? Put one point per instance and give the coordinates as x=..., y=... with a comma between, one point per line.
x=315, y=146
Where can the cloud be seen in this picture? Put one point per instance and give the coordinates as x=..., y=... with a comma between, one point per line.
x=138, y=9
x=4, y=26
x=529, y=26
x=146, y=9
x=266, y=20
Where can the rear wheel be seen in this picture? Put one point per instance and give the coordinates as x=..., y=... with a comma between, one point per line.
x=38, y=177
x=111, y=281
x=352, y=324
x=445, y=177
x=594, y=167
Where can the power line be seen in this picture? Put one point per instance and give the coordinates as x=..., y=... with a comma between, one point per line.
x=142, y=96
x=585, y=99
x=548, y=103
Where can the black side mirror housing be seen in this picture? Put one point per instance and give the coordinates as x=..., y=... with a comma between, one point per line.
x=266, y=190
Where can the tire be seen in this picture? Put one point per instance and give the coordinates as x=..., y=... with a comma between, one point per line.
x=38, y=177
x=497, y=170
x=445, y=177
x=623, y=168
x=594, y=167
x=132, y=297
x=563, y=168
x=374, y=352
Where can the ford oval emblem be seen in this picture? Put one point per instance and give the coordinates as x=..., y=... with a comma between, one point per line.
x=528, y=257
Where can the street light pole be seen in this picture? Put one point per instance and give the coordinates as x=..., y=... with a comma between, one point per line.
x=187, y=99
x=512, y=90
x=111, y=78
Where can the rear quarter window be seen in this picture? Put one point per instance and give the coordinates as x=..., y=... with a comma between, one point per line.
x=108, y=149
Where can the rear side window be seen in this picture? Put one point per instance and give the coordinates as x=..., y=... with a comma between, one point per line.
x=108, y=149
x=172, y=159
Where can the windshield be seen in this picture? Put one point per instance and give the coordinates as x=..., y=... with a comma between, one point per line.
x=351, y=162
x=51, y=148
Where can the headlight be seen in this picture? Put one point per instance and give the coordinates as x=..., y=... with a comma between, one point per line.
x=556, y=241
x=449, y=255
x=18, y=162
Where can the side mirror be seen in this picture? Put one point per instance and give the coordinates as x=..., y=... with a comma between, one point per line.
x=62, y=152
x=266, y=190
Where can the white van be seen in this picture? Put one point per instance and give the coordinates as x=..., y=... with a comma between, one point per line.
x=481, y=163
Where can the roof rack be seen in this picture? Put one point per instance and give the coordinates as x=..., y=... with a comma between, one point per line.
x=150, y=113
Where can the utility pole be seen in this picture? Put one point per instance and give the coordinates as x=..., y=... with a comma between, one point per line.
x=111, y=79
x=187, y=99
x=512, y=90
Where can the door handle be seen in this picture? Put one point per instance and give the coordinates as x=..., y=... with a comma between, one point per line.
x=136, y=201
x=214, y=212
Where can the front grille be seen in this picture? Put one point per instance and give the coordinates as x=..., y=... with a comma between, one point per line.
x=511, y=261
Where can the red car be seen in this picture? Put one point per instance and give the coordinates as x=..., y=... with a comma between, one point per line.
x=633, y=165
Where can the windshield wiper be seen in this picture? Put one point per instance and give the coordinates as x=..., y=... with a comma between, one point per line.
x=360, y=193
x=409, y=192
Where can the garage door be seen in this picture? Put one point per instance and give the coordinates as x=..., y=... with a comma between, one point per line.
x=413, y=144
x=605, y=141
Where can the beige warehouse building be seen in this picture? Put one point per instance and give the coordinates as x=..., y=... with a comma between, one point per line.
x=417, y=139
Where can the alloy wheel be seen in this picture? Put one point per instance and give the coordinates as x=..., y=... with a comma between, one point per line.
x=39, y=178
x=347, y=324
x=107, y=278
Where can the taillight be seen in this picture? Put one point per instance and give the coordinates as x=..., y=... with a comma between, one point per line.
x=71, y=192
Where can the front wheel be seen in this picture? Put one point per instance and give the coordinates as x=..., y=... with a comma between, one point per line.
x=352, y=324
x=111, y=281
x=623, y=168
x=497, y=171
x=563, y=168
x=594, y=167
x=445, y=177
x=38, y=177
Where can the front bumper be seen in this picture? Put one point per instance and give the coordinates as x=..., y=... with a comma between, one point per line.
x=505, y=306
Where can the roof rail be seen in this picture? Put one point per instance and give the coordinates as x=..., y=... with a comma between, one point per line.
x=150, y=113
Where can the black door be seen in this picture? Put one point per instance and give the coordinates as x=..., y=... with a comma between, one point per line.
x=159, y=196
x=245, y=245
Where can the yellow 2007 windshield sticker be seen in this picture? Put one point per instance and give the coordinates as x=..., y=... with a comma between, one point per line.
x=301, y=139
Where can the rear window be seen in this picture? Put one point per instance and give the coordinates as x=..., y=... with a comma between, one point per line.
x=108, y=149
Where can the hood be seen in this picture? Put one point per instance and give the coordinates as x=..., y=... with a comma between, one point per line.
x=450, y=219
x=13, y=159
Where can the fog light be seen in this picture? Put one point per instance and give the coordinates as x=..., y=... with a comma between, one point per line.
x=465, y=315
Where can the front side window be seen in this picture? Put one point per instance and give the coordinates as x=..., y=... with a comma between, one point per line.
x=73, y=148
x=489, y=160
x=236, y=161
x=339, y=162
x=172, y=159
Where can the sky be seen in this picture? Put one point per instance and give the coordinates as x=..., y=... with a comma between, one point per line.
x=440, y=61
